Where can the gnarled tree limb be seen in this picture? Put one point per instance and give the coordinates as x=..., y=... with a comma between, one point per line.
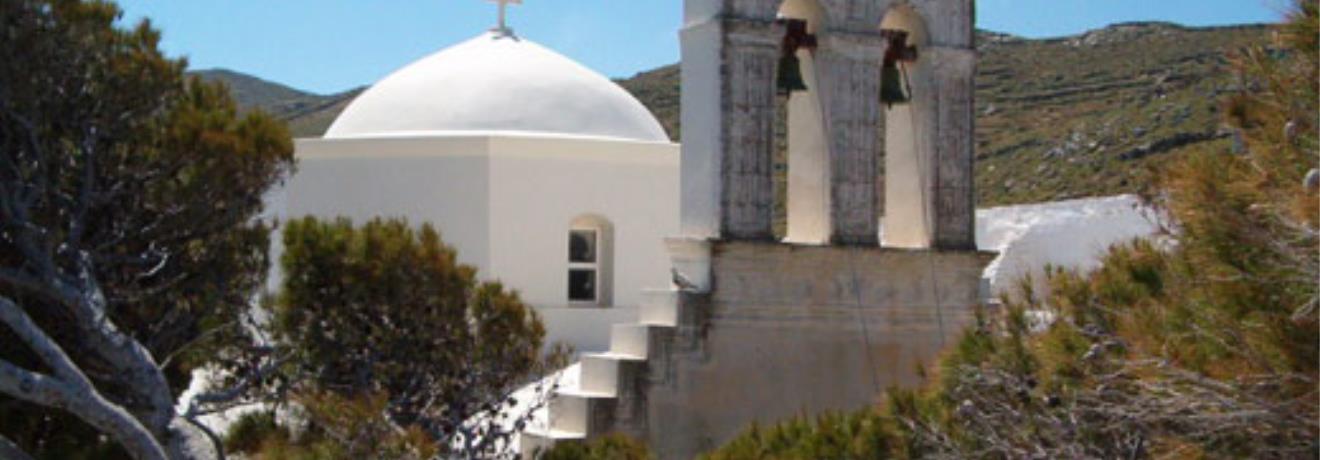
x=11, y=451
x=69, y=389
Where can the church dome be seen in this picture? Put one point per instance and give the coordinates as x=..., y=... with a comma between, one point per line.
x=497, y=84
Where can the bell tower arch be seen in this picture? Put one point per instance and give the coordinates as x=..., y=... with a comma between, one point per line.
x=732, y=52
x=807, y=198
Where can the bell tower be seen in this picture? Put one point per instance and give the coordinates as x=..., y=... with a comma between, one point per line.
x=877, y=270
x=841, y=135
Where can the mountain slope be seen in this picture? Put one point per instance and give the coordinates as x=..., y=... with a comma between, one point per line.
x=1090, y=114
x=307, y=114
x=1057, y=118
x=250, y=92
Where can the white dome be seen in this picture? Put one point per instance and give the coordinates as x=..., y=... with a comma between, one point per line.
x=496, y=84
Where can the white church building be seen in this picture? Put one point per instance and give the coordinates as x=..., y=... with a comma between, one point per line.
x=541, y=173
x=552, y=179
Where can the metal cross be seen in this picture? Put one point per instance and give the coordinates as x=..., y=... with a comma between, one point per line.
x=503, y=5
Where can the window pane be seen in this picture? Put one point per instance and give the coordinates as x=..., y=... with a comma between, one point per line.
x=582, y=246
x=582, y=285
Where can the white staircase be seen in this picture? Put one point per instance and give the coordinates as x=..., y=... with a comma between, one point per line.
x=573, y=410
x=579, y=412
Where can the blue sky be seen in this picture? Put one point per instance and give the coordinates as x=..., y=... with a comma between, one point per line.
x=327, y=46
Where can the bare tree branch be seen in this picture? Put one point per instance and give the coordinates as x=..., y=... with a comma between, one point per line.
x=11, y=451
x=238, y=390
x=71, y=390
x=1120, y=413
x=46, y=349
x=216, y=442
x=165, y=363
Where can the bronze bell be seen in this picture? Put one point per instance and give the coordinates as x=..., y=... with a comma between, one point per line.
x=892, y=89
x=789, y=78
x=894, y=86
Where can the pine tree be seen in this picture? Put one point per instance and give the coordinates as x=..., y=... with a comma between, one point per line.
x=129, y=250
x=385, y=313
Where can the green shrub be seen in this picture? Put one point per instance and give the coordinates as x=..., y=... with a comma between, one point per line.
x=250, y=431
x=611, y=447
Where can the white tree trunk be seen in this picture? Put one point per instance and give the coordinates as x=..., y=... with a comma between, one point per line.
x=69, y=388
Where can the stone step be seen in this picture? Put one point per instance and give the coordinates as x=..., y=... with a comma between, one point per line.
x=631, y=340
x=691, y=262
x=572, y=410
x=659, y=307
x=599, y=374
x=533, y=442
x=568, y=412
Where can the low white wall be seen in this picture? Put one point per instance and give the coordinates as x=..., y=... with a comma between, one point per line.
x=1072, y=234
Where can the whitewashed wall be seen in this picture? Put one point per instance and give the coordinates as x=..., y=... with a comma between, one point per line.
x=442, y=182
x=505, y=203
x=539, y=186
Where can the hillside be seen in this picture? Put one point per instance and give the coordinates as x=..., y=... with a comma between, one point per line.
x=307, y=114
x=251, y=92
x=1088, y=115
x=1057, y=118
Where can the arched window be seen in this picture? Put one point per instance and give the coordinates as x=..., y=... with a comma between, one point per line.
x=590, y=261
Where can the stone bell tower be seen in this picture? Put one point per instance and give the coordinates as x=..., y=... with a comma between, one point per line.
x=838, y=129
x=877, y=271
